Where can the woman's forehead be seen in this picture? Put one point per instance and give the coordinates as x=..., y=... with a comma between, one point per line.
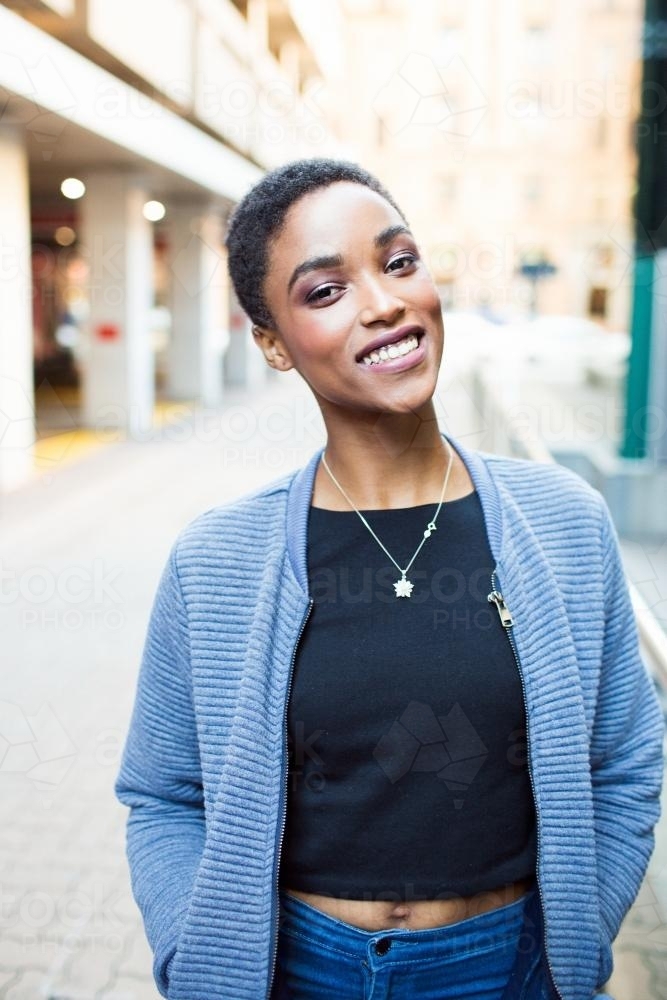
x=325, y=220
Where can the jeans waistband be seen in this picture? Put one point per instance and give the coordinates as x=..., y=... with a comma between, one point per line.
x=472, y=933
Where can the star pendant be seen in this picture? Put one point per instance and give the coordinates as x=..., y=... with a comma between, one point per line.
x=403, y=587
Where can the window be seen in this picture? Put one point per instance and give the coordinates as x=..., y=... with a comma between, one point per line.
x=599, y=208
x=532, y=189
x=601, y=132
x=597, y=302
x=449, y=184
x=537, y=44
x=605, y=255
x=451, y=43
x=536, y=11
x=452, y=12
x=606, y=60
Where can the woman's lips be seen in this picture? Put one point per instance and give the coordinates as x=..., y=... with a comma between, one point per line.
x=401, y=363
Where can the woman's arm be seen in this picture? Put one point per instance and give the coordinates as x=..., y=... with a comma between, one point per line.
x=626, y=753
x=160, y=777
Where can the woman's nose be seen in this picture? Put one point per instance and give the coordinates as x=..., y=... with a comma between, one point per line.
x=379, y=303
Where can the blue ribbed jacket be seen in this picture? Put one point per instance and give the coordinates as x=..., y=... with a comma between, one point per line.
x=203, y=768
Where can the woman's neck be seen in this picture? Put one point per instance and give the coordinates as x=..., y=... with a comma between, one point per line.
x=389, y=464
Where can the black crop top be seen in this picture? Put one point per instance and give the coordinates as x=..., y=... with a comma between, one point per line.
x=407, y=772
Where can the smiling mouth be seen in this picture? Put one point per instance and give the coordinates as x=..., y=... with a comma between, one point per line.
x=400, y=349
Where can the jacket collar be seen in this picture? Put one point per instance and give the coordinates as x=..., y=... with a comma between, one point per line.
x=301, y=491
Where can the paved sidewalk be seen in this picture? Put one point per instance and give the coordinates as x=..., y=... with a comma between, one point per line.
x=82, y=552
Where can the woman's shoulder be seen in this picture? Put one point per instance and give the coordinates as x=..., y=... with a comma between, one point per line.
x=238, y=517
x=567, y=515
x=541, y=481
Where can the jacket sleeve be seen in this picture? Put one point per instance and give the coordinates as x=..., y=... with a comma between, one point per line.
x=160, y=777
x=626, y=753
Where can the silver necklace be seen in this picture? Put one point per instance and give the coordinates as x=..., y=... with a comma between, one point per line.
x=403, y=587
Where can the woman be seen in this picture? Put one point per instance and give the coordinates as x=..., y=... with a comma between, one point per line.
x=441, y=642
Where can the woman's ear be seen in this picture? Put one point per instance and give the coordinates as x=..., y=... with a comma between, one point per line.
x=273, y=348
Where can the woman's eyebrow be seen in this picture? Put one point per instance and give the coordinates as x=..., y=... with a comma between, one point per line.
x=314, y=264
x=387, y=235
x=336, y=260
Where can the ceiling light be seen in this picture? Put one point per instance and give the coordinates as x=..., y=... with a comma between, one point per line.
x=154, y=211
x=73, y=188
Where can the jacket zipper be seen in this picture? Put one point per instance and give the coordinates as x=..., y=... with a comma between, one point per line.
x=507, y=621
x=283, y=804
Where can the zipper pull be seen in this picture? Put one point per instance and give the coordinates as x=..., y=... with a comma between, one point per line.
x=495, y=597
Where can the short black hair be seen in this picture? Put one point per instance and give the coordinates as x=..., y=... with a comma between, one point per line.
x=260, y=215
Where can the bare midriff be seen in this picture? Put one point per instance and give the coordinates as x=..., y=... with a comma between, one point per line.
x=375, y=915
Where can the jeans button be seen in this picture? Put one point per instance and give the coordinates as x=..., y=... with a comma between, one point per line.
x=382, y=946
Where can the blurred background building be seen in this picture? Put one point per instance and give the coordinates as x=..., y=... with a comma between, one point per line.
x=526, y=143
x=128, y=131
x=508, y=129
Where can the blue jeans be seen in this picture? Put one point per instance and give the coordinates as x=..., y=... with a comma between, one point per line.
x=496, y=955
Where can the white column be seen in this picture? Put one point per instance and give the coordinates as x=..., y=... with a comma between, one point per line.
x=17, y=407
x=198, y=305
x=258, y=21
x=118, y=379
x=244, y=362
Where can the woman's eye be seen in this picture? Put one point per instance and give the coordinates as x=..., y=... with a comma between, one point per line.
x=322, y=293
x=405, y=258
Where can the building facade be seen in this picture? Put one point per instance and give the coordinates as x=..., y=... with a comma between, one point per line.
x=128, y=131
x=508, y=129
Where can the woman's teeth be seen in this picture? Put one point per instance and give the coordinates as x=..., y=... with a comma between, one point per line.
x=392, y=351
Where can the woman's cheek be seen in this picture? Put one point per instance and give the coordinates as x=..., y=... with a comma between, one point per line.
x=314, y=339
x=435, y=305
x=329, y=328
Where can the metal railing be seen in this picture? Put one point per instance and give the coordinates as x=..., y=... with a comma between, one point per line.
x=505, y=436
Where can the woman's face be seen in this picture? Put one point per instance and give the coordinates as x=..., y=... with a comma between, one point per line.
x=346, y=280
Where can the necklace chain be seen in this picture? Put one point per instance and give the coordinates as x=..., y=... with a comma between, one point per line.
x=427, y=533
